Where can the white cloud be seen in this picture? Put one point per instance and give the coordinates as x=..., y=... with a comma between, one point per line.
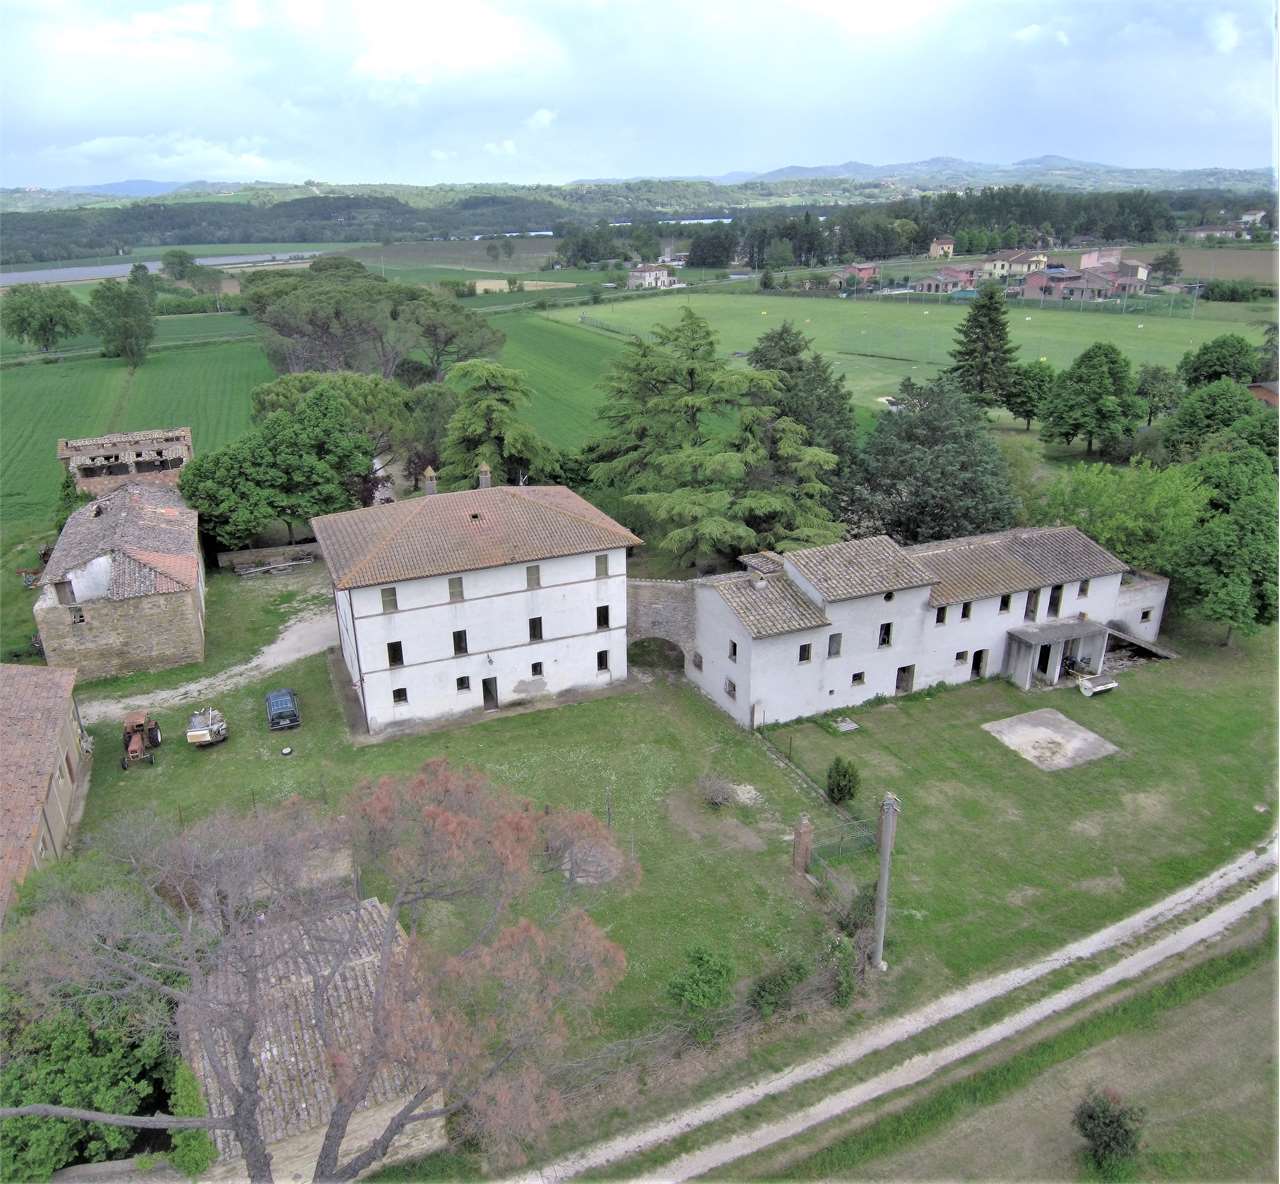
x=541, y=118
x=175, y=155
x=501, y=148
x=1223, y=31
x=1061, y=38
x=1027, y=33
x=441, y=154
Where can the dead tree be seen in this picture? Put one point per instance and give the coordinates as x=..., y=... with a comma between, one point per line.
x=470, y=1013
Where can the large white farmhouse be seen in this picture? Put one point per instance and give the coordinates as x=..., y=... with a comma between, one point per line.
x=825, y=627
x=458, y=602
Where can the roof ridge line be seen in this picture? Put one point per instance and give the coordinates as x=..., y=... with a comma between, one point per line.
x=565, y=513
x=376, y=549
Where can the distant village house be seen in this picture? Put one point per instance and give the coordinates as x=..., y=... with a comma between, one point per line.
x=1004, y=264
x=651, y=275
x=942, y=247
x=857, y=273
x=124, y=587
x=103, y=463
x=44, y=772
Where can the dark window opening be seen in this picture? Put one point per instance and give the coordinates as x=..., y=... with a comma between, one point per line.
x=733, y=651
x=806, y=652
x=966, y=610
x=389, y=603
x=535, y=628
x=459, y=641
x=1005, y=601
x=464, y=683
x=536, y=670
x=697, y=660
x=886, y=635
x=1146, y=614
x=395, y=653
x=400, y=695
x=834, y=642
x=940, y=617
x=858, y=679
x=1033, y=605
x=888, y=595
x=961, y=656
x=602, y=659
x=1055, y=600
x=602, y=616
x=730, y=688
x=1084, y=589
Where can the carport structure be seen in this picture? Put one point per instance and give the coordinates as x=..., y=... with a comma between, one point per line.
x=1039, y=653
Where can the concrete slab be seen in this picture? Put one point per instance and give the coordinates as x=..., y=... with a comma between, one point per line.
x=1049, y=740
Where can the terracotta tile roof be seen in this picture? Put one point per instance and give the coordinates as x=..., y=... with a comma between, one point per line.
x=766, y=562
x=859, y=567
x=768, y=605
x=297, y=1084
x=34, y=704
x=148, y=532
x=986, y=565
x=444, y=533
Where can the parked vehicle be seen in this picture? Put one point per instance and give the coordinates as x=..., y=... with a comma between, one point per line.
x=206, y=726
x=282, y=709
x=141, y=734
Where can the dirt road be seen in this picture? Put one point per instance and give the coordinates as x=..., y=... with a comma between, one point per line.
x=890, y=1032
x=307, y=634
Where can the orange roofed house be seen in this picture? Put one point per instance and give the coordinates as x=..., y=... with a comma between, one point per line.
x=44, y=769
x=124, y=588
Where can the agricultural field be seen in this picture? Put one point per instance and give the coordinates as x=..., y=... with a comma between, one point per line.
x=876, y=344
x=635, y=757
x=178, y=330
x=148, y=254
x=204, y=387
x=1205, y=263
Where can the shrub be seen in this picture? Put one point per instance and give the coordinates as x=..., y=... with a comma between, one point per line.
x=716, y=791
x=700, y=989
x=190, y=1152
x=1111, y=1128
x=772, y=992
x=842, y=780
x=840, y=957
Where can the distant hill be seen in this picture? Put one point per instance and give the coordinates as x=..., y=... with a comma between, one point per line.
x=125, y=188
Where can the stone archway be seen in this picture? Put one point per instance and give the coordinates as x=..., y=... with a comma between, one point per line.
x=661, y=611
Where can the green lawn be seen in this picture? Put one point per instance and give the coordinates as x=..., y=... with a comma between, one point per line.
x=203, y=387
x=636, y=751
x=177, y=330
x=565, y=368
x=998, y=861
x=875, y=345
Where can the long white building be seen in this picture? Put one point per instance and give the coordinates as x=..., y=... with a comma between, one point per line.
x=458, y=602
x=802, y=633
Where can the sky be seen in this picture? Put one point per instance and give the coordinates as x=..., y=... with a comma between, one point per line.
x=429, y=91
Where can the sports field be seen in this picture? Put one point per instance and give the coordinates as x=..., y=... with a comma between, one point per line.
x=877, y=344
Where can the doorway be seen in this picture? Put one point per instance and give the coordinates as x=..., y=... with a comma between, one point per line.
x=489, y=687
x=978, y=667
x=1042, y=661
x=905, y=681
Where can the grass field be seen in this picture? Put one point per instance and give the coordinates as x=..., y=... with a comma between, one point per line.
x=182, y=330
x=875, y=345
x=998, y=860
x=203, y=387
x=1197, y=1052
x=641, y=751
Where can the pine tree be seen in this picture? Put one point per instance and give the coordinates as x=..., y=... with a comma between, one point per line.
x=487, y=429
x=982, y=359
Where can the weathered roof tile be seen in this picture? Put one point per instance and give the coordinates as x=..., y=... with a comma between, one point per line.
x=859, y=567
x=768, y=604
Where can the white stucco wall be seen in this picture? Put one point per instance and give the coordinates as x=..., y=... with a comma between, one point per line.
x=494, y=612
x=91, y=581
x=1142, y=594
x=773, y=682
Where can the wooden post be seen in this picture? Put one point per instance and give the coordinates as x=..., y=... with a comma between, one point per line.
x=888, y=826
x=801, y=845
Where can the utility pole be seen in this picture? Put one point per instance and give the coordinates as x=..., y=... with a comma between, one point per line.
x=890, y=808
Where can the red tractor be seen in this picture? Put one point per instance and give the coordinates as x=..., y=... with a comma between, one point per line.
x=141, y=735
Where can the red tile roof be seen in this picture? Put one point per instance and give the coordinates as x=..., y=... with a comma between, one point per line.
x=34, y=703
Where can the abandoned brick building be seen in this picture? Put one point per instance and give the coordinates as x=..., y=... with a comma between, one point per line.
x=103, y=463
x=124, y=587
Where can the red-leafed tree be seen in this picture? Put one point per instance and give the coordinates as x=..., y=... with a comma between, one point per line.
x=473, y=999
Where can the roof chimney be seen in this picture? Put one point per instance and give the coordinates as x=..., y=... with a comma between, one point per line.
x=758, y=582
x=429, y=480
x=484, y=474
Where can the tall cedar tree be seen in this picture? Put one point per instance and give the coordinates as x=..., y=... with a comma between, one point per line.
x=124, y=320
x=1228, y=356
x=297, y=464
x=663, y=395
x=487, y=429
x=809, y=392
x=762, y=488
x=40, y=314
x=982, y=359
x=1230, y=563
x=931, y=471
x=1094, y=398
x=1028, y=390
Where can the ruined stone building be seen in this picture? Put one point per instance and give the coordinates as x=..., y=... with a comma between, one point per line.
x=103, y=463
x=124, y=587
x=44, y=771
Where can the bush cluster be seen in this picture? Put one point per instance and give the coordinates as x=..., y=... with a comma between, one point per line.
x=843, y=780
x=772, y=992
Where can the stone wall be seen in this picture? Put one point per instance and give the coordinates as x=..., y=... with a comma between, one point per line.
x=122, y=636
x=661, y=608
